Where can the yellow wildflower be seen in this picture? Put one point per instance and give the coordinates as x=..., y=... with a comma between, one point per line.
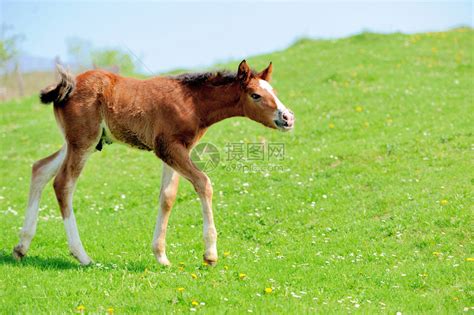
x=204, y=263
x=110, y=310
x=437, y=254
x=194, y=276
x=80, y=308
x=194, y=303
x=443, y=202
x=268, y=290
x=470, y=259
x=242, y=276
x=180, y=289
x=226, y=267
x=331, y=126
x=359, y=109
x=226, y=254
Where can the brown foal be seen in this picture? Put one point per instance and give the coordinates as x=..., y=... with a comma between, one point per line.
x=166, y=115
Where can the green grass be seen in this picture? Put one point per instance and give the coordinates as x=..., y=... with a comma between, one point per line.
x=350, y=221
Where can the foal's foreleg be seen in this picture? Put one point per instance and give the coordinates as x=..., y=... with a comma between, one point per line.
x=177, y=156
x=169, y=188
x=43, y=171
x=64, y=186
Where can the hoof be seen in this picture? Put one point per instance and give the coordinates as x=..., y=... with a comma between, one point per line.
x=17, y=253
x=83, y=260
x=210, y=260
x=86, y=263
x=163, y=261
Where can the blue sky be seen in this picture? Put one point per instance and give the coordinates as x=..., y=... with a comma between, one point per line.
x=169, y=35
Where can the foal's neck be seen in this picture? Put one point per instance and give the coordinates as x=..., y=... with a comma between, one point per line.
x=216, y=103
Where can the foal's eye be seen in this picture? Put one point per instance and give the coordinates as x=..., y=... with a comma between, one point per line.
x=255, y=96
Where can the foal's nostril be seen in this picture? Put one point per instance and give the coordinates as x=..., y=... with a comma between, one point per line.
x=285, y=119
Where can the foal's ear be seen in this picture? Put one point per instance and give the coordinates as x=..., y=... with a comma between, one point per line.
x=267, y=73
x=244, y=73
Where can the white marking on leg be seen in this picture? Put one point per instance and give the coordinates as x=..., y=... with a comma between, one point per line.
x=209, y=233
x=38, y=182
x=74, y=241
x=209, y=229
x=169, y=187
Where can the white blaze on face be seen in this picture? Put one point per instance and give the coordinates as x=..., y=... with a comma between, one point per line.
x=266, y=86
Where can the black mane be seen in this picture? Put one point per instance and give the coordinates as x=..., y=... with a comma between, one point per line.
x=216, y=78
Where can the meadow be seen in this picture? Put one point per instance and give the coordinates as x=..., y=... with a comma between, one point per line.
x=369, y=211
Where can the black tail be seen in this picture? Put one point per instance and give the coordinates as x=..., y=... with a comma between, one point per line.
x=58, y=93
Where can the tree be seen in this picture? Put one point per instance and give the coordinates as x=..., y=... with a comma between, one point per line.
x=8, y=47
x=110, y=58
x=83, y=55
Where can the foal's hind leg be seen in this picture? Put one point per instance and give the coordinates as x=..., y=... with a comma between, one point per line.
x=43, y=171
x=64, y=186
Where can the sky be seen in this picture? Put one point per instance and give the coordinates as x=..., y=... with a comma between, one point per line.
x=167, y=35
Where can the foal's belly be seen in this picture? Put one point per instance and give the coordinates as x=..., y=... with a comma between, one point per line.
x=114, y=132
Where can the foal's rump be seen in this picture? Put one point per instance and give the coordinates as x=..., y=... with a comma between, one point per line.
x=98, y=107
x=77, y=106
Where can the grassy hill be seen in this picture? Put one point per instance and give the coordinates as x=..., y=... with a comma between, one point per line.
x=369, y=211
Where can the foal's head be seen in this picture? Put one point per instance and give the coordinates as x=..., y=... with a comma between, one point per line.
x=259, y=99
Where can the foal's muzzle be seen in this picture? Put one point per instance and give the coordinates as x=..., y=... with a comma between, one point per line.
x=285, y=120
